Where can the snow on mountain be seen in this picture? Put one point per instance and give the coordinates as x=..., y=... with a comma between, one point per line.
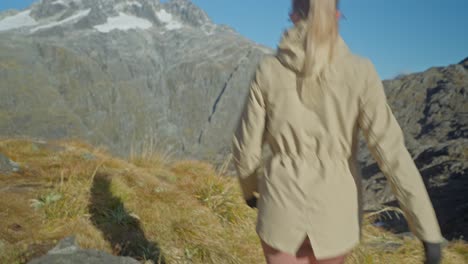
x=107, y=15
x=168, y=20
x=22, y=19
x=74, y=17
x=58, y=2
x=123, y=22
x=135, y=3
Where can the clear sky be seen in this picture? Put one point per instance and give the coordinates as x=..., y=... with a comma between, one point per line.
x=399, y=36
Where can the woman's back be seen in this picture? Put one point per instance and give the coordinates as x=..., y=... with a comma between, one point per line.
x=311, y=172
x=308, y=187
x=311, y=120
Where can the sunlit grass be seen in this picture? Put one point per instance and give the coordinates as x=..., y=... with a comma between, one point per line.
x=150, y=207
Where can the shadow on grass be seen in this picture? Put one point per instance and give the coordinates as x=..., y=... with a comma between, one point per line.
x=119, y=227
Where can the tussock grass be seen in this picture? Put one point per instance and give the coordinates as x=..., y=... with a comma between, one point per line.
x=149, y=207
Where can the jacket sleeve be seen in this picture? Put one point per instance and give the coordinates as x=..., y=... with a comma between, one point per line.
x=248, y=138
x=386, y=142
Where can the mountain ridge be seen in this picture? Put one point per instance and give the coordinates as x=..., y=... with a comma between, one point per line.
x=86, y=14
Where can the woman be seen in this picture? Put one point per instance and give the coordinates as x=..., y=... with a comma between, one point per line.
x=308, y=103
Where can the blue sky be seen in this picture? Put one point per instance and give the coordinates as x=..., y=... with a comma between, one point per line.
x=399, y=36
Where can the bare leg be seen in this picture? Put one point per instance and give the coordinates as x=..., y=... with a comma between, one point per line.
x=305, y=255
x=337, y=260
x=274, y=256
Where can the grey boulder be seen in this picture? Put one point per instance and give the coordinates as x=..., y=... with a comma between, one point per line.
x=68, y=252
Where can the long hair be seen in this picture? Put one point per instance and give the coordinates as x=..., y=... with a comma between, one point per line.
x=320, y=42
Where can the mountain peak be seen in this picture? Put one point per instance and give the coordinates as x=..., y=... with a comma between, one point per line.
x=188, y=12
x=107, y=15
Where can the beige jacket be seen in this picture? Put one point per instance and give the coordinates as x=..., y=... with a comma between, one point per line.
x=308, y=186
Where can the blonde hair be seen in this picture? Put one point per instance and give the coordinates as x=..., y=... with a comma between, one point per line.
x=321, y=38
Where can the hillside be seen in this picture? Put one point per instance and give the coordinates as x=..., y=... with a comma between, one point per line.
x=148, y=208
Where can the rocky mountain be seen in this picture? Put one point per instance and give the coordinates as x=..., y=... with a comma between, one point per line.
x=432, y=109
x=125, y=74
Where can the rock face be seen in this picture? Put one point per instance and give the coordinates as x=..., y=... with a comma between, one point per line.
x=68, y=252
x=432, y=109
x=130, y=75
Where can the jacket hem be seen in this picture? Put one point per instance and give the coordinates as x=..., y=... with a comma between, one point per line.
x=320, y=253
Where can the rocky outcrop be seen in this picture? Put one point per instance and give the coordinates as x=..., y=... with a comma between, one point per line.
x=432, y=109
x=68, y=252
x=7, y=166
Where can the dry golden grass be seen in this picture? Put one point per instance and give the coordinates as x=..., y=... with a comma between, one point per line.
x=150, y=208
